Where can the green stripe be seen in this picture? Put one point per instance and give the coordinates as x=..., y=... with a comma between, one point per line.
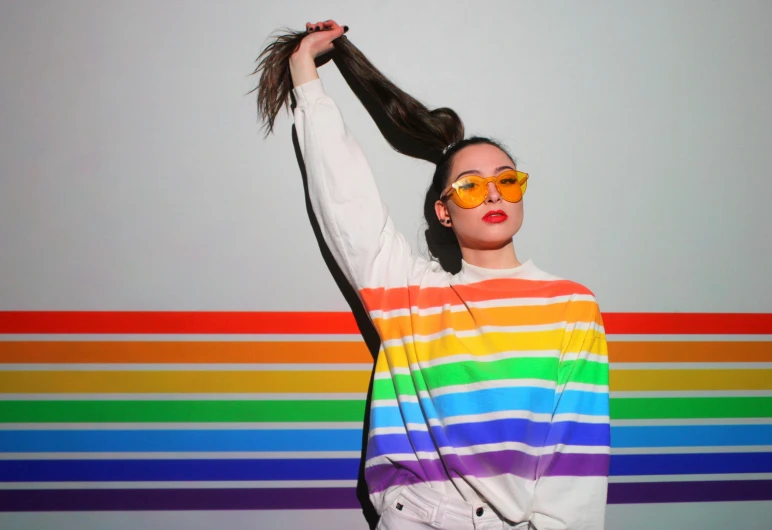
x=180, y=411
x=334, y=410
x=465, y=373
x=676, y=408
x=468, y=372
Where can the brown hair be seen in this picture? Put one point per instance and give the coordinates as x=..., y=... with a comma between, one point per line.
x=406, y=123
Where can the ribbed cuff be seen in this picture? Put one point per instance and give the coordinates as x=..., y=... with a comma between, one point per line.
x=308, y=91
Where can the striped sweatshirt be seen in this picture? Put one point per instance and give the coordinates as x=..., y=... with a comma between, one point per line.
x=491, y=385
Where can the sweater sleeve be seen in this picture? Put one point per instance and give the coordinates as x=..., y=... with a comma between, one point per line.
x=572, y=474
x=345, y=199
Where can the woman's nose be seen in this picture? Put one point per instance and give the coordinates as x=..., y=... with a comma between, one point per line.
x=493, y=193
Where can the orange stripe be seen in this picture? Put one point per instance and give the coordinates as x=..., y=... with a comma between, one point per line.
x=184, y=352
x=689, y=352
x=382, y=299
x=398, y=327
x=292, y=323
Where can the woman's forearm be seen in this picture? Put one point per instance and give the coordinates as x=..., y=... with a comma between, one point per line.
x=302, y=68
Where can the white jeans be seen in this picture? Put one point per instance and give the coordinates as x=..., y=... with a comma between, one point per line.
x=419, y=507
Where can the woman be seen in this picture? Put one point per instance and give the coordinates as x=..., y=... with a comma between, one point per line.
x=490, y=398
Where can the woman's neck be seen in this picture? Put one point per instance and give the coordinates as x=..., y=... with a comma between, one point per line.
x=496, y=258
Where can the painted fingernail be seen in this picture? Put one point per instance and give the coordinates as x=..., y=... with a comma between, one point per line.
x=345, y=29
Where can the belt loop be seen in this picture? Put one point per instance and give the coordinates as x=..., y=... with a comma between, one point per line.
x=439, y=512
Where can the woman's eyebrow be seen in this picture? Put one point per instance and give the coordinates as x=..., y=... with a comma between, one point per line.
x=478, y=172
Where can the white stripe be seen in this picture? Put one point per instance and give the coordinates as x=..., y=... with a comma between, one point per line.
x=256, y=455
x=580, y=418
x=691, y=478
x=493, y=357
x=492, y=416
x=412, y=427
x=214, y=396
x=691, y=450
x=690, y=366
x=178, y=337
x=690, y=421
x=536, y=301
x=613, y=337
x=386, y=430
x=586, y=387
x=193, y=484
x=191, y=426
x=578, y=449
x=199, y=367
x=487, y=385
x=390, y=459
x=490, y=448
x=591, y=357
x=690, y=393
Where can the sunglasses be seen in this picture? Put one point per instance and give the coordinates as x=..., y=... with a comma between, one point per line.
x=470, y=191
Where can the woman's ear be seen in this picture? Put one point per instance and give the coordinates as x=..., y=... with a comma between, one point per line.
x=443, y=214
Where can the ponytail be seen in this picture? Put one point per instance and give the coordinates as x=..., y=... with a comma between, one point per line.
x=406, y=123
x=411, y=128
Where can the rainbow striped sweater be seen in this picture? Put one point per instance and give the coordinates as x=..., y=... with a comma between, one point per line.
x=490, y=385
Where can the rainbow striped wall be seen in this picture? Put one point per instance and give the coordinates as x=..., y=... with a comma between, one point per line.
x=202, y=410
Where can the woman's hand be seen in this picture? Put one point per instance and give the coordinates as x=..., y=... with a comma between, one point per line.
x=316, y=43
x=319, y=38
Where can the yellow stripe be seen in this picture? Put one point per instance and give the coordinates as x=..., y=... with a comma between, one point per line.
x=183, y=382
x=637, y=380
x=492, y=343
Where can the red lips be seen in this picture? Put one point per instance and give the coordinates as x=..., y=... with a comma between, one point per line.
x=495, y=216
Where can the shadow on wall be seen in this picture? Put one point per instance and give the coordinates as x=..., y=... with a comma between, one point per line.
x=366, y=329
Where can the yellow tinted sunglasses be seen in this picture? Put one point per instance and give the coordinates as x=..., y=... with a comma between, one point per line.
x=470, y=191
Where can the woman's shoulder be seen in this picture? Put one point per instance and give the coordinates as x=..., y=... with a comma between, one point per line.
x=567, y=287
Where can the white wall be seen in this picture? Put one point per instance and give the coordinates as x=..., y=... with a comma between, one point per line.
x=133, y=174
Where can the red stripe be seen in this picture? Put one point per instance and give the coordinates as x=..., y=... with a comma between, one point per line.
x=688, y=323
x=204, y=322
x=298, y=323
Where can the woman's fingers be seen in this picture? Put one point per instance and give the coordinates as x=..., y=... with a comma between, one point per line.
x=322, y=25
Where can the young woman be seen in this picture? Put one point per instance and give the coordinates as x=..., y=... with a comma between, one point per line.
x=490, y=398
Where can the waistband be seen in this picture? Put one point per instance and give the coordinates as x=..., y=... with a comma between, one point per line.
x=435, y=503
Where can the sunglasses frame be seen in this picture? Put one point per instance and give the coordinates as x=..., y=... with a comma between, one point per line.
x=452, y=190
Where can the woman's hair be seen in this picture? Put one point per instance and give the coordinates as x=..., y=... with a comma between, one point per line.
x=406, y=123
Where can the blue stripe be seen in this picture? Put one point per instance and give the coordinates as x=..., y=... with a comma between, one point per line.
x=180, y=440
x=689, y=464
x=534, y=434
x=691, y=435
x=331, y=469
x=157, y=470
x=529, y=399
x=459, y=435
x=532, y=399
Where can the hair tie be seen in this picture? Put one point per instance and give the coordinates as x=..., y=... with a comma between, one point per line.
x=444, y=151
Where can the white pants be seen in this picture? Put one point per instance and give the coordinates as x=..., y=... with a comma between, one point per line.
x=420, y=507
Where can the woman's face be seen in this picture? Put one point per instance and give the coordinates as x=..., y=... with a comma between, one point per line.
x=492, y=224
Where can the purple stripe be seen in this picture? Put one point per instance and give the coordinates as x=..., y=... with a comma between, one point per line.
x=177, y=499
x=717, y=491
x=334, y=498
x=574, y=465
x=481, y=465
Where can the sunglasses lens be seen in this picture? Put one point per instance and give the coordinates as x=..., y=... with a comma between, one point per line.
x=470, y=191
x=509, y=186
